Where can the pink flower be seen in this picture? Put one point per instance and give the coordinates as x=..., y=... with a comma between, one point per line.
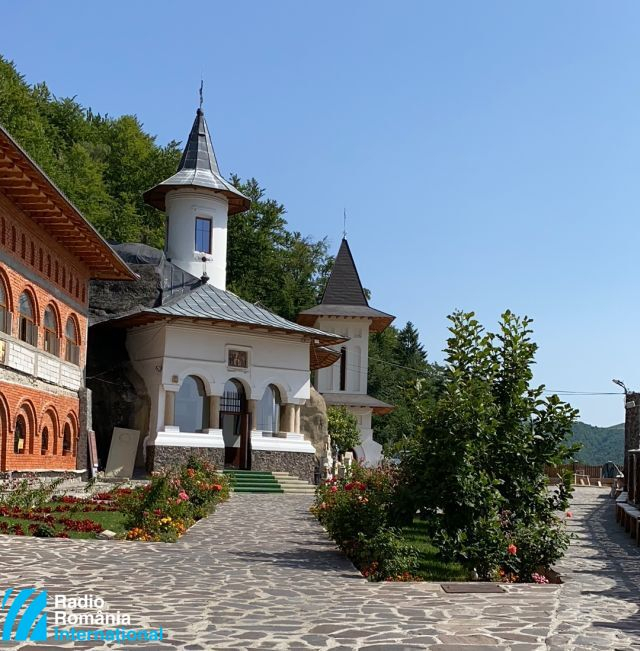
x=182, y=496
x=539, y=578
x=512, y=549
x=334, y=489
x=569, y=514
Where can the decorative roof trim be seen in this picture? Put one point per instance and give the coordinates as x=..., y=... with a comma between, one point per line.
x=26, y=185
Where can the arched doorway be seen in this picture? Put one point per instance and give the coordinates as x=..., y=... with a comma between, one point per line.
x=236, y=426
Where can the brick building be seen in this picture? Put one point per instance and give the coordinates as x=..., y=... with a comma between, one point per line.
x=48, y=254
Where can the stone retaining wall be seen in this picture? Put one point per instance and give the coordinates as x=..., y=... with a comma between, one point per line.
x=298, y=464
x=160, y=457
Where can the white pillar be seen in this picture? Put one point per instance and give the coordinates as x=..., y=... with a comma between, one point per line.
x=296, y=425
x=214, y=412
x=252, y=407
x=169, y=408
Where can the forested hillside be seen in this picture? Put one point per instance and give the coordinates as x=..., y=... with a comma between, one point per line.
x=599, y=444
x=104, y=164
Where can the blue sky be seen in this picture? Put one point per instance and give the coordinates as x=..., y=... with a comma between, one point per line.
x=487, y=153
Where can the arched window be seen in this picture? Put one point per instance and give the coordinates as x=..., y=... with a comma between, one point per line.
x=51, y=340
x=44, y=440
x=23, y=240
x=268, y=416
x=27, y=325
x=192, y=406
x=48, y=265
x=67, y=445
x=20, y=436
x=72, y=348
x=5, y=309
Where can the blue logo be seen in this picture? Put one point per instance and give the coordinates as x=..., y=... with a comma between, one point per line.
x=31, y=622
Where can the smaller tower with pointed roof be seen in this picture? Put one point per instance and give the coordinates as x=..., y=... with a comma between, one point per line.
x=198, y=200
x=344, y=309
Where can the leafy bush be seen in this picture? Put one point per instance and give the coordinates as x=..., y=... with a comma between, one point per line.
x=356, y=512
x=173, y=500
x=476, y=468
x=343, y=429
x=43, y=531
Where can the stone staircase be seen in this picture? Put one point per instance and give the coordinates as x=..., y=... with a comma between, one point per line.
x=255, y=481
x=291, y=484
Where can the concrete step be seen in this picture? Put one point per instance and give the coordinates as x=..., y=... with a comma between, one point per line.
x=293, y=485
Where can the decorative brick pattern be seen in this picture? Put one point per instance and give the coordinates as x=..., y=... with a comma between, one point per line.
x=44, y=390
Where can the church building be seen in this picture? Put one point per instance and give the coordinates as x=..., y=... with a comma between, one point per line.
x=344, y=309
x=207, y=370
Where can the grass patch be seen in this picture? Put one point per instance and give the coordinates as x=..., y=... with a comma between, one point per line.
x=431, y=567
x=112, y=520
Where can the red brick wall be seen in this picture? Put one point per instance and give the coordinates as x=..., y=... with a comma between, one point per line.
x=22, y=240
x=39, y=409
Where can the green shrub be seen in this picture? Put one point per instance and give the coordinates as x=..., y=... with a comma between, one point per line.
x=43, y=530
x=172, y=501
x=357, y=512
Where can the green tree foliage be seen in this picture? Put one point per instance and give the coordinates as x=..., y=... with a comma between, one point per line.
x=397, y=361
x=343, y=429
x=102, y=164
x=105, y=164
x=477, y=462
x=268, y=264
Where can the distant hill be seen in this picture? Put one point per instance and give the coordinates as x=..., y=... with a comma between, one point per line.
x=599, y=444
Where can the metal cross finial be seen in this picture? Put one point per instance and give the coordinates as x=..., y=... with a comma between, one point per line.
x=201, y=87
x=344, y=224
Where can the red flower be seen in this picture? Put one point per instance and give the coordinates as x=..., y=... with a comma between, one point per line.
x=349, y=486
x=569, y=514
x=217, y=487
x=334, y=489
x=512, y=549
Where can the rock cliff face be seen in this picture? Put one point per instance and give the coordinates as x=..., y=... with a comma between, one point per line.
x=314, y=424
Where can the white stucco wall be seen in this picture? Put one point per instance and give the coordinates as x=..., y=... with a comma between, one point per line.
x=357, y=329
x=183, y=206
x=165, y=354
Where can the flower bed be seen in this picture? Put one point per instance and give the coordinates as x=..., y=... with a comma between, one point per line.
x=174, y=500
x=62, y=517
x=159, y=511
x=356, y=512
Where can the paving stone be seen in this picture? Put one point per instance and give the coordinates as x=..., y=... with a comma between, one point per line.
x=262, y=574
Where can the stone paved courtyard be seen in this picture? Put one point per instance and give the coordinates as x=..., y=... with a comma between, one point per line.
x=261, y=574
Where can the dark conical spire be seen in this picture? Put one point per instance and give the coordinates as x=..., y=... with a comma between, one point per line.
x=344, y=286
x=344, y=297
x=198, y=168
x=198, y=153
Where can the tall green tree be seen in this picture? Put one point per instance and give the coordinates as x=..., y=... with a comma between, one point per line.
x=397, y=360
x=477, y=462
x=268, y=264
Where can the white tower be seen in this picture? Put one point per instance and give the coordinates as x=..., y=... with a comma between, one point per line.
x=344, y=309
x=198, y=201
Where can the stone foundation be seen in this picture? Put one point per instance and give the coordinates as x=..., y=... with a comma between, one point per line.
x=298, y=464
x=160, y=457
